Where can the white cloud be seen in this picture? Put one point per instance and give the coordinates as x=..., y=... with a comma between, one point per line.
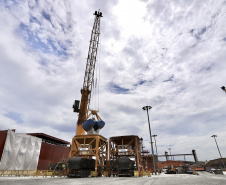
x=167, y=55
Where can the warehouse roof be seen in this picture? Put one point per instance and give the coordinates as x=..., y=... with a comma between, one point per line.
x=47, y=137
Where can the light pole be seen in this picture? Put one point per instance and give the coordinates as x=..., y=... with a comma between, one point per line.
x=156, y=150
x=152, y=150
x=214, y=136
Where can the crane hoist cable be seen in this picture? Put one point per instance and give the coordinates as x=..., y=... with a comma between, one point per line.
x=95, y=99
x=99, y=74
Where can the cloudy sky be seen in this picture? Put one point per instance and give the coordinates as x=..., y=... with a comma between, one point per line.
x=166, y=54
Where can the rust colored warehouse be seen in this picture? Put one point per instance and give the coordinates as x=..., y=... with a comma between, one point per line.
x=3, y=134
x=53, y=150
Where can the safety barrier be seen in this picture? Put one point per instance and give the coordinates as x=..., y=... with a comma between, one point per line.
x=142, y=173
x=58, y=173
x=93, y=174
x=34, y=173
x=107, y=174
x=148, y=173
x=136, y=174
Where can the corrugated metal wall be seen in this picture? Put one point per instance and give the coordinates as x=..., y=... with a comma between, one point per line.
x=51, y=154
x=3, y=135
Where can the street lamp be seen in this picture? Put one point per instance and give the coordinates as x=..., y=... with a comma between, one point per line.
x=223, y=88
x=214, y=136
x=156, y=149
x=152, y=150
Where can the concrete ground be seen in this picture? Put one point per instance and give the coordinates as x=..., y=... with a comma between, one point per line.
x=204, y=178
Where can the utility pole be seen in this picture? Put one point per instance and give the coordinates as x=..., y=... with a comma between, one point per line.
x=171, y=157
x=214, y=136
x=156, y=150
x=170, y=153
x=152, y=150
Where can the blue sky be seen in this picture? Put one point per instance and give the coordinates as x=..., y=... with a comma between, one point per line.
x=166, y=54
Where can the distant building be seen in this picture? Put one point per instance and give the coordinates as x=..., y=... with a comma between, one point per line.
x=199, y=166
x=171, y=164
x=216, y=163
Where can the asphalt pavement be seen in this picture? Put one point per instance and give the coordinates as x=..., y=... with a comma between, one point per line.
x=204, y=178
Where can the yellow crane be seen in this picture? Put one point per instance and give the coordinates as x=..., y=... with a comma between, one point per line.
x=89, y=77
x=89, y=152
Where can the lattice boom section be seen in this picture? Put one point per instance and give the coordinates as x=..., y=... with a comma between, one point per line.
x=92, y=55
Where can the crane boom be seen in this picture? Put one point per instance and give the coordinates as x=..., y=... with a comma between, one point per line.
x=89, y=74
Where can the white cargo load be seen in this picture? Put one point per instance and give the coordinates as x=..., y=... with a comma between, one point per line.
x=21, y=152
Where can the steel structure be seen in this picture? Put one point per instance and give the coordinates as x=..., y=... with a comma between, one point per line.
x=167, y=156
x=93, y=145
x=125, y=146
x=147, y=161
x=89, y=75
x=88, y=146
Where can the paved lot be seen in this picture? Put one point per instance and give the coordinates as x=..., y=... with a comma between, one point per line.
x=204, y=178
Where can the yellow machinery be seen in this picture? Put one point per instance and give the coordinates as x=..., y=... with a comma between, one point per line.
x=90, y=146
x=126, y=147
x=89, y=76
